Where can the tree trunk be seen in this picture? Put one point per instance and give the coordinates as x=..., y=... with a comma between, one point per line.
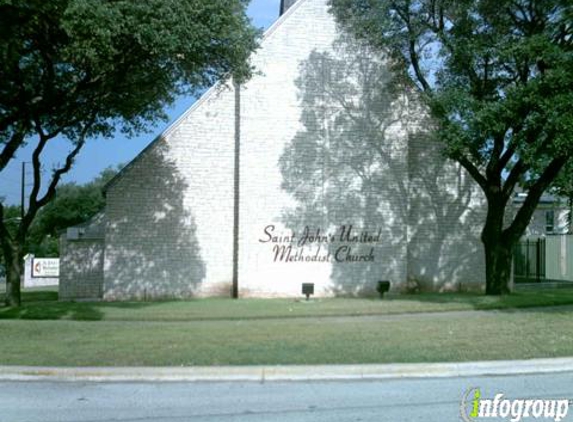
x=13, y=270
x=498, y=246
x=498, y=258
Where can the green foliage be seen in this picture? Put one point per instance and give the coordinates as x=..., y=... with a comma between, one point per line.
x=496, y=78
x=66, y=62
x=564, y=183
x=77, y=69
x=11, y=218
x=488, y=69
x=72, y=205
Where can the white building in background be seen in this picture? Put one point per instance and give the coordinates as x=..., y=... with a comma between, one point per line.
x=550, y=218
x=314, y=171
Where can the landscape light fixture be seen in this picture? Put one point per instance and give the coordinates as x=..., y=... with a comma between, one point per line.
x=307, y=289
x=383, y=287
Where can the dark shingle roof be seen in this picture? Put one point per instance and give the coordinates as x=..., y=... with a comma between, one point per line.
x=285, y=4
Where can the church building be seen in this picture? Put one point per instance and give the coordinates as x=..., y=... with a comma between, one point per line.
x=317, y=170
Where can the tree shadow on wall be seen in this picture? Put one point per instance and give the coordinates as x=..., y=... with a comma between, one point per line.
x=347, y=166
x=351, y=165
x=446, y=217
x=152, y=251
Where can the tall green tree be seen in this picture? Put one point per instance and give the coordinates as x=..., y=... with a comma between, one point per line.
x=11, y=218
x=77, y=69
x=73, y=204
x=497, y=78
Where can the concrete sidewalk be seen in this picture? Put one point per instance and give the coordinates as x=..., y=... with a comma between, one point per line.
x=286, y=373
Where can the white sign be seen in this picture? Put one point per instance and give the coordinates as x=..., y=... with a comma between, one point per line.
x=46, y=267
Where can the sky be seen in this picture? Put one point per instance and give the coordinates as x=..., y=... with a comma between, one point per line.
x=99, y=154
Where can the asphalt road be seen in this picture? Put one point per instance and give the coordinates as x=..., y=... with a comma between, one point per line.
x=428, y=400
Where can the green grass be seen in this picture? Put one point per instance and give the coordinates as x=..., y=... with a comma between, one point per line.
x=256, y=332
x=530, y=334
x=43, y=305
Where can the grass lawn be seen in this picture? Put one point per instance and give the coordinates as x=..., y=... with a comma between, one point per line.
x=250, y=332
x=42, y=304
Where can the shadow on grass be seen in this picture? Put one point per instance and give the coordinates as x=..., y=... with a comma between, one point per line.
x=44, y=305
x=540, y=299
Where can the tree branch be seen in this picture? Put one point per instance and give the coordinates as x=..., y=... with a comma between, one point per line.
x=57, y=175
x=8, y=120
x=5, y=236
x=412, y=39
x=523, y=216
x=416, y=65
x=472, y=170
x=493, y=169
x=36, y=164
x=506, y=156
x=514, y=175
x=34, y=203
x=11, y=147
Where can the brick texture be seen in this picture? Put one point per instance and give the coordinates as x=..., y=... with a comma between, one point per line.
x=337, y=177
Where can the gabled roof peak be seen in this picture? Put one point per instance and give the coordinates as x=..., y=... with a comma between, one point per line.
x=285, y=4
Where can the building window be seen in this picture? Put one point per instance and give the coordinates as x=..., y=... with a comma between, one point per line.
x=549, y=221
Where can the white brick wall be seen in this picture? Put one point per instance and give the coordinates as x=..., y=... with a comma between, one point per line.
x=276, y=108
x=323, y=145
x=170, y=216
x=81, y=269
x=447, y=212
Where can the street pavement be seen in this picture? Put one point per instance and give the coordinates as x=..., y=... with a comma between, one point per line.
x=396, y=400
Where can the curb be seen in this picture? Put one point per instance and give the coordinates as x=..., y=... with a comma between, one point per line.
x=287, y=373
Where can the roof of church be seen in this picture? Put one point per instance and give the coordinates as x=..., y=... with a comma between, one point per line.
x=285, y=5
x=286, y=10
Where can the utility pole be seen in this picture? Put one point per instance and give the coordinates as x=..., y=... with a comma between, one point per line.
x=23, y=190
x=236, y=220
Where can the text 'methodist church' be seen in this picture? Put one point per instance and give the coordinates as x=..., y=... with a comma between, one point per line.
x=314, y=171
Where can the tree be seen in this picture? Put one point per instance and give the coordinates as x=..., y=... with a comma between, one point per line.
x=11, y=219
x=72, y=204
x=77, y=69
x=496, y=78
